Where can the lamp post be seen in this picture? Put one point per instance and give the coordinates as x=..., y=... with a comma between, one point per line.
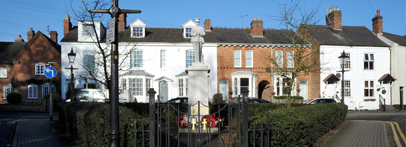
x=71, y=57
x=343, y=60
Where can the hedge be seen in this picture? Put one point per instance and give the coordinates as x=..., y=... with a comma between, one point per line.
x=14, y=98
x=285, y=97
x=90, y=123
x=300, y=126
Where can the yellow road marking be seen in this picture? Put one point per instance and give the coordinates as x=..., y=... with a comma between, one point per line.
x=400, y=132
x=395, y=135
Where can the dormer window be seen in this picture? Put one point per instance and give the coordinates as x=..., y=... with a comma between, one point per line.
x=188, y=32
x=138, y=32
x=187, y=29
x=138, y=29
x=88, y=29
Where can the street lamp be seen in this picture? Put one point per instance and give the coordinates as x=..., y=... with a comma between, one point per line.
x=343, y=60
x=71, y=57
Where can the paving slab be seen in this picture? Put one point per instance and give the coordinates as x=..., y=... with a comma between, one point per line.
x=36, y=133
x=360, y=134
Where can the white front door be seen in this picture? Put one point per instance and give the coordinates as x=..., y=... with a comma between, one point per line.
x=303, y=89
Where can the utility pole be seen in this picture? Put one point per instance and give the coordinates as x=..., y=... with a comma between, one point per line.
x=114, y=11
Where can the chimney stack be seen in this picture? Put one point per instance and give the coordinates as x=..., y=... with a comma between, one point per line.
x=122, y=21
x=207, y=25
x=377, y=23
x=257, y=27
x=30, y=34
x=67, y=25
x=54, y=36
x=333, y=19
x=19, y=39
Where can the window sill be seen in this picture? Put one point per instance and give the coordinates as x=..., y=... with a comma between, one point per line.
x=237, y=67
x=249, y=67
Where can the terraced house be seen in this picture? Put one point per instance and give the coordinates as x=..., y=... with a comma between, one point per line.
x=157, y=58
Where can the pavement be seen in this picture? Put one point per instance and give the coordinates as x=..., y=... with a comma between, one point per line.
x=41, y=132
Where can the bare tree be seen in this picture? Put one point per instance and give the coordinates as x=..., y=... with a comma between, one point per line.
x=303, y=53
x=98, y=66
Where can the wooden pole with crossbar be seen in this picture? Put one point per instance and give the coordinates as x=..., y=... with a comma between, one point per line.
x=114, y=11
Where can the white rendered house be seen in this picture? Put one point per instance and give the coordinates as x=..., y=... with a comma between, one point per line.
x=149, y=58
x=398, y=63
x=369, y=61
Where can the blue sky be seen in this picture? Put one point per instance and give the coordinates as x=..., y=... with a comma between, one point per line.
x=17, y=16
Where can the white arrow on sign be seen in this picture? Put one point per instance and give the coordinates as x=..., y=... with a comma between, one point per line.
x=48, y=70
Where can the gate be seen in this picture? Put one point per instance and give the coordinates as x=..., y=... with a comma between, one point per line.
x=226, y=125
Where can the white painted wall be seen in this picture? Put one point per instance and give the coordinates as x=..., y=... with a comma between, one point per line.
x=398, y=70
x=330, y=65
x=175, y=57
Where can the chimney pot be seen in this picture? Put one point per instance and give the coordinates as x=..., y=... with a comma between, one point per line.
x=30, y=34
x=333, y=19
x=207, y=25
x=19, y=39
x=67, y=25
x=377, y=23
x=54, y=36
x=257, y=27
x=122, y=21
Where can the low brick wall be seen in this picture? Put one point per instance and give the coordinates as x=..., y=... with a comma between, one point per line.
x=23, y=108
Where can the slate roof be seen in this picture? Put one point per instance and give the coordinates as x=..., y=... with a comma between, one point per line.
x=216, y=35
x=8, y=50
x=401, y=40
x=348, y=36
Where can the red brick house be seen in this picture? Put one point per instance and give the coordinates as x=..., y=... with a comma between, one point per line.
x=244, y=61
x=22, y=66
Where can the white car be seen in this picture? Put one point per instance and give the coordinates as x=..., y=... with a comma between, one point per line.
x=322, y=101
x=91, y=95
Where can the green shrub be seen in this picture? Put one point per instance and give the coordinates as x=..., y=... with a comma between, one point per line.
x=90, y=123
x=14, y=98
x=217, y=99
x=300, y=126
x=285, y=97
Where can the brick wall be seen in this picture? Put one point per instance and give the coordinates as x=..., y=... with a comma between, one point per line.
x=40, y=50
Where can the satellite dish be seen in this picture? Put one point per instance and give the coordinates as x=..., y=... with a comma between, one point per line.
x=338, y=75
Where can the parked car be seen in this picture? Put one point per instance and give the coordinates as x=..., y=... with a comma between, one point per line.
x=179, y=100
x=257, y=101
x=91, y=95
x=322, y=101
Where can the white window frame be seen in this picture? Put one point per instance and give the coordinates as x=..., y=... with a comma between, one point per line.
x=32, y=91
x=370, y=59
x=87, y=55
x=136, y=86
x=3, y=73
x=347, y=87
x=249, y=58
x=45, y=89
x=237, y=58
x=348, y=64
x=279, y=58
x=188, y=32
x=290, y=59
x=138, y=32
x=181, y=93
x=190, y=57
x=148, y=85
x=368, y=88
x=123, y=83
x=163, y=59
x=85, y=30
x=39, y=69
x=236, y=84
x=7, y=90
x=136, y=58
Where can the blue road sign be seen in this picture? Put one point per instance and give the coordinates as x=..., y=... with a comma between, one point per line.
x=50, y=72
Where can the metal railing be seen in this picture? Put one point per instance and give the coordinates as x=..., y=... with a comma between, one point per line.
x=382, y=101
